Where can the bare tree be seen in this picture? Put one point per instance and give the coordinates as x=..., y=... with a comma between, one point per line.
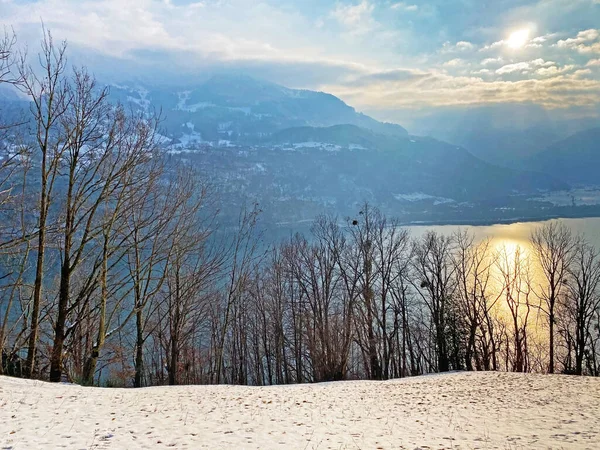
x=582, y=300
x=8, y=58
x=553, y=246
x=515, y=278
x=473, y=263
x=243, y=256
x=379, y=261
x=192, y=269
x=363, y=233
x=434, y=281
x=102, y=146
x=165, y=227
x=134, y=185
x=50, y=98
x=14, y=166
x=322, y=304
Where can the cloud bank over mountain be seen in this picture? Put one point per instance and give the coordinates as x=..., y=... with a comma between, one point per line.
x=393, y=59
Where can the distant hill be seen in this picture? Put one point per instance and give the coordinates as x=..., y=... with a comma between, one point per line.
x=298, y=173
x=501, y=134
x=300, y=153
x=239, y=108
x=415, y=164
x=575, y=160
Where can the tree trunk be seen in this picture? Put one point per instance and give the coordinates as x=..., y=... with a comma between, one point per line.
x=139, y=349
x=174, y=361
x=37, y=286
x=56, y=359
x=551, y=363
x=90, y=365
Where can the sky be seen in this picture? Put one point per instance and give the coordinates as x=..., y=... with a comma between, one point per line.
x=381, y=56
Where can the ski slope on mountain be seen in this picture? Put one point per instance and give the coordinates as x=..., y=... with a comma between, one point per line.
x=461, y=410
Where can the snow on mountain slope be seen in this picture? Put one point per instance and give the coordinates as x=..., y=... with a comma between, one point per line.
x=252, y=108
x=462, y=410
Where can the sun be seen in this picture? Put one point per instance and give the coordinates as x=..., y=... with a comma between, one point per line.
x=518, y=39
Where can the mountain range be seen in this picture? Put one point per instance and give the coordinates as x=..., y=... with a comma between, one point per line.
x=239, y=108
x=299, y=153
x=576, y=159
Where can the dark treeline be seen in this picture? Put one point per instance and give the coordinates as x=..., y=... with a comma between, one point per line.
x=113, y=269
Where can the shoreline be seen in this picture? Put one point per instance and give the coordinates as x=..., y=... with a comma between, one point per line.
x=457, y=222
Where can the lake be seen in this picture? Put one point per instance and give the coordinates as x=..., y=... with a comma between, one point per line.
x=515, y=233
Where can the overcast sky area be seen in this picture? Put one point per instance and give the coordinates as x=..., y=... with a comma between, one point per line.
x=380, y=56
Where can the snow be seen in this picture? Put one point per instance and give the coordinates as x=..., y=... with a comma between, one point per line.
x=183, y=97
x=225, y=143
x=420, y=196
x=460, y=410
x=187, y=139
x=245, y=109
x=320, y=145
x=356, y=147
x=195, y=107
x=143, y=101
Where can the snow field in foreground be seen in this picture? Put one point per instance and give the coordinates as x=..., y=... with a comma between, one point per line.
x=460, y=410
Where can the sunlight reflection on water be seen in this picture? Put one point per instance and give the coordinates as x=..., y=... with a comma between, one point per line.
x=506, y=240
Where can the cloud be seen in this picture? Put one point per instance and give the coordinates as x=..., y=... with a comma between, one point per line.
x=492, y=46
x=582, y=73
x=536, y=42
x=118, y=28
x=460, y=46
x=554, y=70
x=524, y=67
x=442, y=90
x=511, y=68
x=456, y=62
x=404, y=7
x=492, y=61
x=357, y=18
x=357, y=49
x=394, y=75
x=587, y=41
x=544, y=38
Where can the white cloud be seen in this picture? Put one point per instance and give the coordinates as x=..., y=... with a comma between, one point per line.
x=492, y=61
x=464, y=45
x=404, y=7
x=524, y=67
x=460, y=46
x=554, y=70
x=582, y=73
x=593, y=62
x=512, y=68
x=544, y=38
x=587, y=41
x=456, y=62
x=536, y=42
x=119, y=28
x=541, y=63
x=492, y=46
x=357, y=18
x=259, y=36
x=440, y=89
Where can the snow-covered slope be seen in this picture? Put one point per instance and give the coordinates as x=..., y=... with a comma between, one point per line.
x=466, y=410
